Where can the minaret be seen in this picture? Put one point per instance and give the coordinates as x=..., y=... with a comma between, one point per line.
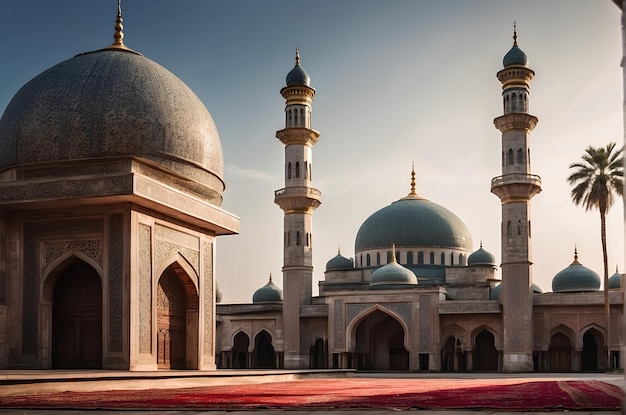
x=515, y=188
x=298, y=200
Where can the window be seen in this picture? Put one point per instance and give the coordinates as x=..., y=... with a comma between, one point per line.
x=514, y=102
x=520, y=156
x=297, y=169
x=369, y=260
x=377, y=258
x=307, y=239
x=289, y=170
x=509, y=160
x=461, y=259
x=298, y=241
x=409, y=257
x=519, y=227
x=508, y=228
x=529, y=235
x=302, y=118
x=432, y=258
x=451, y=258
x=388, y=256
x=443, y=258
x=420, y=257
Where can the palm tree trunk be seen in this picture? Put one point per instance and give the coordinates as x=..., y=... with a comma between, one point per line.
x=607, y=307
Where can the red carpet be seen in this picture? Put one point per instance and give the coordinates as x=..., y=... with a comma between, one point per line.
x=507, y=395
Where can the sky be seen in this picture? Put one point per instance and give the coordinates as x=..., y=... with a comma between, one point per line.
x=397, y=82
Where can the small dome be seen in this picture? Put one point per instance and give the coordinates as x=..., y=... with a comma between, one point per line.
x=494, y=293
x=481, y=257
x=339, y=262
x=615, y=280
x=392, y=274
x=298, y=76
x=515, y=56
x=269, y=293
x=575, y=278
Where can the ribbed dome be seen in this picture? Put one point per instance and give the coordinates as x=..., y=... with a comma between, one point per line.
x=481, y=257
x=494, y=293
x=615, y=280
x=112, y=103
x=339, y=262
x=298, y=76
x=392, y=274
x=515, y=56
x=269, y=293
x=413, y=221
x=575, y=278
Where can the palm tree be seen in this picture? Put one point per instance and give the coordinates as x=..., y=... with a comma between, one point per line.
x=597, y=178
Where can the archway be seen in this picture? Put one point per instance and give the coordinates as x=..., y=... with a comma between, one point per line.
x=560, y=353
x=264, y=356
x=318, y=354
x=453, y=358
x=239, y=352
x=592, y=342
x=77, y=318
x=485, y=353
x=380, y=343
x=177, y=320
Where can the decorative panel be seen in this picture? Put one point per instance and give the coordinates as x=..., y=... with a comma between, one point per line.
x=207, y=281
x=145, y=288
x=425, y=323
x=116, y=290
x=340, y=339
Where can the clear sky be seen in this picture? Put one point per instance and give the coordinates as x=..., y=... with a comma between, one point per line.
x=397, y=82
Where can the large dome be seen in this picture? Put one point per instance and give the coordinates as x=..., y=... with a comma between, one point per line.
x=112, y=103
x=575, y=278
x=413, y=221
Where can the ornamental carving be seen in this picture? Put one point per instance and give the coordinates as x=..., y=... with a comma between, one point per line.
x=207, y=281
x=115, y=255
x=92, y=248
x=145, y=289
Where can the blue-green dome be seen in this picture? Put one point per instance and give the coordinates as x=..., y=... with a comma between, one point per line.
x=575, y=278
x=481, y=257
x=269, y=293
x=494, y=293
x=515, y=57
x=393, y=274
x=298, y=76
x=339, y=262
x=413, y=221
x=615, y=280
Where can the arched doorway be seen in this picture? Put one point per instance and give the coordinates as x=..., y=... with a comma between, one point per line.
x=592, y=342
x=77, y=318
x=264, y=356
x=453, y=359
x=318, y=354
x=380, y=343
x=485, y=353
x=560, y=353
x=177, y=320
x=239, y=352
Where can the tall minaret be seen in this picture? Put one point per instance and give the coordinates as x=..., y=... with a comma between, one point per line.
x=298, y=200
x=515, y=188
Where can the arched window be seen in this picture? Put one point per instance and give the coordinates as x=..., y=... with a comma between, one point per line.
x=529, y=233
x=443, y=258
x=377, y=258
x=289, y=118
x=528, y=159
x=514, y=102
x=388, y=256
x=369, y=260
x=461, y=259
x=509, y=159
x=302, y=117
x=507, y=105
x=519, y=227
x=432, y=258
x=298, y=241
x=310, y=171
x=360, y=264
x=451, y=258
x=409, y=257
x=420, y=257
x=307, y=239
x=520, y=156
x=508, y=228
x=398, y=256
x=289, y=170
x=297, y=169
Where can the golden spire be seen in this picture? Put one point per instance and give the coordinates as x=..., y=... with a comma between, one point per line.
x=119, y=34
x=270, y=277
x=297, y=57
x=514, y=33
x=393, y=253
x=575, y=255
x=413, y=193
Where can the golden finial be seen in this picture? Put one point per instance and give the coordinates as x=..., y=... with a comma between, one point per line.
x=119, y=34
x=514, y=32
x=575, y=255
x=413, y=192
x=616, y=269
x=297, y=57
x=270, y=277
x=393, y=253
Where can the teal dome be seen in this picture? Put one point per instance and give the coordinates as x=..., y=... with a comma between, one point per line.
x=392, y=275
x=515, y=57
x=269, y=293
x=413, y=221
x=615, y=280
x=481, y=257
x=298, y=76
x=575, y=278
x=339, y=262
x=494, y=293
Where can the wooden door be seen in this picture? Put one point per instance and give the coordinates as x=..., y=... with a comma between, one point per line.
x=77, y=319
x=171, y=316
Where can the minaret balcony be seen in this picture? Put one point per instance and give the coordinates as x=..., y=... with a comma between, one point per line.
x=298, y=135
x=298, y=199
x=515, y=121
x=516, y=187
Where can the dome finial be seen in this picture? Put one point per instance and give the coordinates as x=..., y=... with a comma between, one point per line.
x=270, y=276
x=514, y=33
x=297, y=57
x=413, y=192
x=575, y=255
x=481, y=243
x=119, y=34
x=338, y=249
x=393, y=253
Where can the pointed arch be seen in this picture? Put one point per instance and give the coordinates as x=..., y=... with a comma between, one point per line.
x=353, y=325
x=55, y=268
x=183, y=268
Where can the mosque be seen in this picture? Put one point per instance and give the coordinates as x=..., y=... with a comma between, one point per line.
x=111, y=181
